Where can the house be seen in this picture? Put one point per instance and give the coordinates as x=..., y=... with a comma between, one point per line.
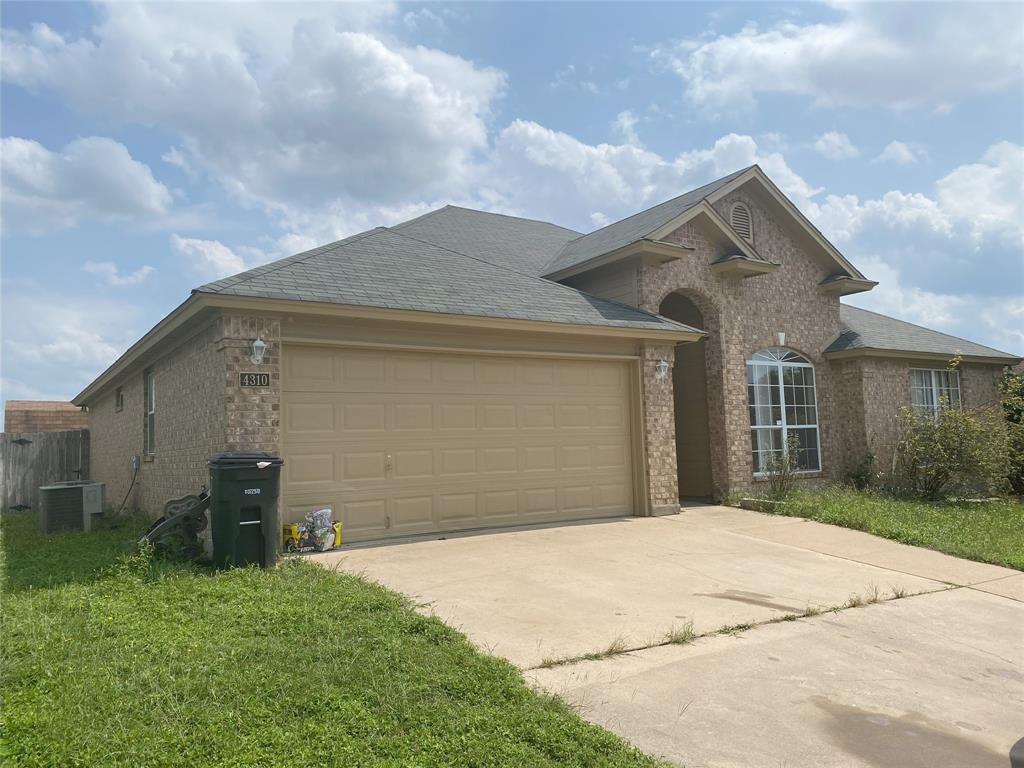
x=468, y=369
x=23, y=416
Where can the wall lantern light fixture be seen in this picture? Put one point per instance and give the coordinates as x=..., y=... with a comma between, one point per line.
x=259, y=348
x=662, y=368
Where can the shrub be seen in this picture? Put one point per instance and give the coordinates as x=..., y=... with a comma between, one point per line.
x=954, y=451
x=862, y=475
x=781, y=469
x=1011, y=389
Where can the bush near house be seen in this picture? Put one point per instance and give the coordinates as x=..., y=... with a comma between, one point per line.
x=149, y=663
x=1011, y=389
x=955, y=451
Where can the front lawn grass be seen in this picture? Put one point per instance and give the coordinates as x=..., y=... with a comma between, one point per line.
x=992, y=532
x=154, y=664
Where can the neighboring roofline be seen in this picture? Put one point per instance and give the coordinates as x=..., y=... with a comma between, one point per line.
x=646, y=249
x=944, y=357
x=199, y=301
x=755, y=172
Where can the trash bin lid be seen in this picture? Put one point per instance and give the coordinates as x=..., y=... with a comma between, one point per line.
x=244, y=459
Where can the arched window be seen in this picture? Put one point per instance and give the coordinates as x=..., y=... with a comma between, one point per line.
x=780, y=393
x=742, y=222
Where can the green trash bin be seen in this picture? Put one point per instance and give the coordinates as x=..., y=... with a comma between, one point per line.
x=243, y=508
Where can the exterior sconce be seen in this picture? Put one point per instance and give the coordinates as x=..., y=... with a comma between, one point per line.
x=780, y=338
x=259, y=348
x=661, y=369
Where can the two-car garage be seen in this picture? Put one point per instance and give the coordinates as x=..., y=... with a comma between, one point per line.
x=402, y=442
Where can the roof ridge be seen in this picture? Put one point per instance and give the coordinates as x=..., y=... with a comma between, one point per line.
x=663, y=202
x=422, y=216
x=924, y=328
x=537, y=277
x=296, y=258
x=509, y=216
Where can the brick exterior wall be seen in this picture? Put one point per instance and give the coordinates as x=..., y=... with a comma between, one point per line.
x=201, y=410
x=21, y=416
x=659, y=428
x=743, y=316
x=880, y=386
x=189, y=423
x=253, y=416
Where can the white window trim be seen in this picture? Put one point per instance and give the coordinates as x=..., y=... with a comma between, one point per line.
x=149, y=407
x=784, y=426
x=935, y=388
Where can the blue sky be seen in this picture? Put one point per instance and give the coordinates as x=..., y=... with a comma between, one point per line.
x=150, y=148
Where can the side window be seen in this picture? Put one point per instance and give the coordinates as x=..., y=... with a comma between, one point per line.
x=932, y=389
x=149, y=388
x=119, y=399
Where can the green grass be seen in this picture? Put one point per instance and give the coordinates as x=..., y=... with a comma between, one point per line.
x=142, y=664
x=992, y=532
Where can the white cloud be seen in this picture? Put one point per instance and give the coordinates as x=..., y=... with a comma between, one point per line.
x=290, y=107
x=111, y=275
x=995, y=321
x=835, y=146
x=536, y=171
x=900, y=153
x=897, y=55
x=91, y=177
x=624, y=126
x=988, y=196
x=950, y=259
x=64, y=341
x=974, y=201
x=210, y=259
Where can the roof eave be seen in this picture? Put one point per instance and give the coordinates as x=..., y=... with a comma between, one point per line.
x=649, y=251
x=945, y=357
x=297, y=306
x=843, y=285
x=178, y=317
x=742, y=267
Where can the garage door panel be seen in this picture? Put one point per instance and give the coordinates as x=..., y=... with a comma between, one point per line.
x=305, y=469
x=399, y=443
x=413, y=513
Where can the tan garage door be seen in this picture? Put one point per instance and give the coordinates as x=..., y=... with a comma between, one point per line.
x=401, y=443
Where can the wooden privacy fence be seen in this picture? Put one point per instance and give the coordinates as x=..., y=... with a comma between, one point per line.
x=30, y=460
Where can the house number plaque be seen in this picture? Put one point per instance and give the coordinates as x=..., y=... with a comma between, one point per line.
x=254, y=379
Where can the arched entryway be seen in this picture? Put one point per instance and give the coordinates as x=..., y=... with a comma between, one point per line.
x=690, y=383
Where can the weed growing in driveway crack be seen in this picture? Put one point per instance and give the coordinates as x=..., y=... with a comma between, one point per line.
x=680, y=635
x=614, y=648
x=685, y=634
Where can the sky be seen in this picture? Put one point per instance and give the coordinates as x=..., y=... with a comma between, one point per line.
x=150, y=148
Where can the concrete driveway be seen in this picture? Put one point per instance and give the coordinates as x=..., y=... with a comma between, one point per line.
x=881, y=684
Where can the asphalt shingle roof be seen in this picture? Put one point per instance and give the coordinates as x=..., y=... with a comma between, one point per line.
x=523, y=244
x=631, y=229
x=862, y=329
x=390, y=269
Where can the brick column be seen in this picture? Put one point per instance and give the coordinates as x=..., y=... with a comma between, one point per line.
x=252, y=414
x=659, y=430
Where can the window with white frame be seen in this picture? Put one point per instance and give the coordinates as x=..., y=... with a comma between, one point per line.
x=782, y=402
x=149, y=387
x=932, y=389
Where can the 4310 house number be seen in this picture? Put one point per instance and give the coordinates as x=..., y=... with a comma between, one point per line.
x=254, y=379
